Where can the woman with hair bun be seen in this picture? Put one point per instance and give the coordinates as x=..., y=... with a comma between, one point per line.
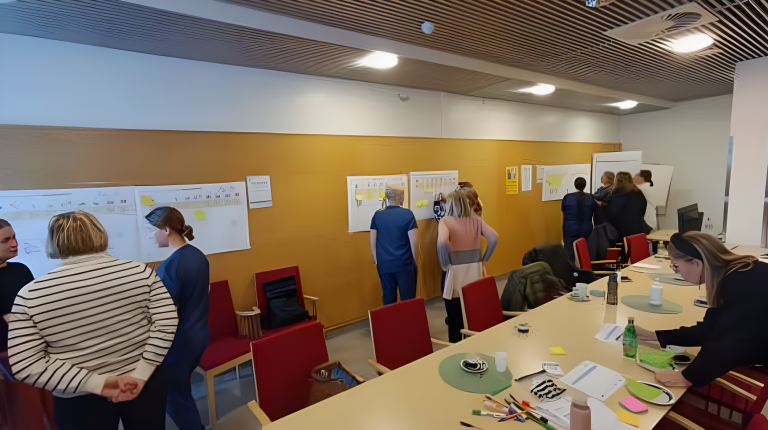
x=185, y=275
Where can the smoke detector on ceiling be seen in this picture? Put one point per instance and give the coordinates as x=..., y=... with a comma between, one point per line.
x=663, y=24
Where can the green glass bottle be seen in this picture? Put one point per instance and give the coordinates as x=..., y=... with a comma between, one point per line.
x=630, y=339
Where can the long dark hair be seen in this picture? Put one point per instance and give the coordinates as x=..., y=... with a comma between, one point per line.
x=623, y=183
x=580, y=183
x=166, y=216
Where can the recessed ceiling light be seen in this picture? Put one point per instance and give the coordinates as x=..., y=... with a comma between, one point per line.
x=627, y=104
x=539, y=89
x=691, y=43
x=379, y=60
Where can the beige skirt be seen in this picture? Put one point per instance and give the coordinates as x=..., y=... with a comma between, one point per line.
x=461, y=275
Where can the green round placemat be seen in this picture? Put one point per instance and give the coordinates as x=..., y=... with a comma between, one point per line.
x=640, y=303
x=491, y=382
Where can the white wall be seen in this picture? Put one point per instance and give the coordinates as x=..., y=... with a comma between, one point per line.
x=693, y=137
x=47, y=82
x=749, y=128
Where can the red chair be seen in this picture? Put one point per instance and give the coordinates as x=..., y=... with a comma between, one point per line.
x=481, y=306
x=263, y=302
x=282, y=366
x=400, y=334
x=226, y=348
x=581, y=252
x=637, y=248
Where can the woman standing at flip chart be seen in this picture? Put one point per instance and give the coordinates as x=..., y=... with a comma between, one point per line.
x=577, y=210
x=185, y=275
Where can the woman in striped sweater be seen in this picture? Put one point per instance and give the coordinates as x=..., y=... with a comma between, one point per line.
x=94, y=332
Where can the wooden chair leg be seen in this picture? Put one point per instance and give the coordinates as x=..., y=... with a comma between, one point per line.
x=211, y=398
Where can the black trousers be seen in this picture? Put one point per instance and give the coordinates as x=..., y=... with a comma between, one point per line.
x=455, y=319
x=94, y=412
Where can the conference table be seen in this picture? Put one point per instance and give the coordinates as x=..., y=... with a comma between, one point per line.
x=415, y=397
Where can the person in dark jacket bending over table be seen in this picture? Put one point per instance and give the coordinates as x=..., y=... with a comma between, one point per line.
x=735, y=326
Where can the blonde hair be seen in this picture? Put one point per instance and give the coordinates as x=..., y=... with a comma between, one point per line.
x=458, y=205
x=75, y=233
x=718, y=261
x=609, y=176
x=474, y=200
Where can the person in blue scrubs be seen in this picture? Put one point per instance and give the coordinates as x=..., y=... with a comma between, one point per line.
x=578, y=209
x=185, y=276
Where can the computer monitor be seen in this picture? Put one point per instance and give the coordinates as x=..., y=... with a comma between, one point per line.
x=689, y=218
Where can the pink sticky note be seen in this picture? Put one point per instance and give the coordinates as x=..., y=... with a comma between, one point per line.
x=633, y=404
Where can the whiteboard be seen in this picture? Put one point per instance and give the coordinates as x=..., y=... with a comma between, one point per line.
x=662, y=180
x=30, y=211
x=629, y=161
x=558, y=180
x=218, y=213
x=365, y=196
x=425, y=186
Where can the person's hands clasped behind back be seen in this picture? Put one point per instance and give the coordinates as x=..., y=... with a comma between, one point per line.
x=122, y=388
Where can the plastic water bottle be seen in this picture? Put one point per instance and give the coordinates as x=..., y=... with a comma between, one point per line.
x=581, y=414
x=654, y=299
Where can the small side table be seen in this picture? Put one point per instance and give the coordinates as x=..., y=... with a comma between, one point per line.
x=249, y=323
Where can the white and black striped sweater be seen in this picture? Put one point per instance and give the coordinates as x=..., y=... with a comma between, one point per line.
x=94, y=317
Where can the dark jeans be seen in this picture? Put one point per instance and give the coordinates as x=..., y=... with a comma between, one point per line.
x=94, y=412
x=404, y=279
x=455, y=319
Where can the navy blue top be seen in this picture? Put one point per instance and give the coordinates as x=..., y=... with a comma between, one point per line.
x=393, y=249
x=13, y=278
x=626, y=212
x=185, y=276
x=577, y=215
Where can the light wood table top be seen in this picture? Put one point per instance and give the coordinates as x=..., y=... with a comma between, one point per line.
x=415, y=397
x=661, y=235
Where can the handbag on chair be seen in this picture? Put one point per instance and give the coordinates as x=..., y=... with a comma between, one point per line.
x=330, y=379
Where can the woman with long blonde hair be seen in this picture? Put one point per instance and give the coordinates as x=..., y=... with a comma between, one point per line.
x=458, y=248
x=736, y=324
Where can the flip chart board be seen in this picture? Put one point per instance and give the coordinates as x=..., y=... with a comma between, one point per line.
x=218, y=213
x=365, y=195
x=426, y=186
x=220, y=223
x=629, y=161
x=29, y=213
x=558, y=180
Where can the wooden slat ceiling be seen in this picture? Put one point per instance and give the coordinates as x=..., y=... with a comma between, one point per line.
x=558, y=37
x=131, y=27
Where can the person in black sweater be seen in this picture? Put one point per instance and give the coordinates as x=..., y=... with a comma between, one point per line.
x=735, y=326
x=13, y=277
x=626, y=209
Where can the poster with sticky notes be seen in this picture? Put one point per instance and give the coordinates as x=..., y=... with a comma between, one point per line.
x=559, y=180
x=218, y=213
x=366, y=195
x=428, y=186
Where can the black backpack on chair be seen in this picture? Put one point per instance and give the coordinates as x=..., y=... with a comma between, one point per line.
x=284, y=306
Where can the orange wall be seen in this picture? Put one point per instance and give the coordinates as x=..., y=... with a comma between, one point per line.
x=307, y=226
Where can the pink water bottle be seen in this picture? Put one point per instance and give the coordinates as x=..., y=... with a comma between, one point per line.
x=581, y=415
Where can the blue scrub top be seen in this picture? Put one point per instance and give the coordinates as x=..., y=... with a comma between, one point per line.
x=577, y=215
x=185, y=276
x=393, y=248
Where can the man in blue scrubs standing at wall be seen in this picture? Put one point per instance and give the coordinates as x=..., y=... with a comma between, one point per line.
x=393, y=246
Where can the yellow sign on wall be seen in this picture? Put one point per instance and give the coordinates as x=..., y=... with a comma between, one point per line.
x=511, y=177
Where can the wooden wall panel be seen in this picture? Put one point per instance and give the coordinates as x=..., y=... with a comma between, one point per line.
x=307, y=226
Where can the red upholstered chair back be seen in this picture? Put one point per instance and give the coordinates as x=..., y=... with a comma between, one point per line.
x=222, y=321
x=273, y=275
x=282, y=365
x=637, y=248
x=581, y=251
x=481, y=304
x=400, y=333
x=758, y=422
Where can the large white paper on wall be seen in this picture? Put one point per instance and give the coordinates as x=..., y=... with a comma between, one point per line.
x=558, y=180
x=426, y=186
x=217, y=212
x=365, y=195
x=629, y=161
x=30, y=211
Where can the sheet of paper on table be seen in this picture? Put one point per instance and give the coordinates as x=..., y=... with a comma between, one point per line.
x=594, y=380
x=610, y=332
x=559, y=412
x=646, y=266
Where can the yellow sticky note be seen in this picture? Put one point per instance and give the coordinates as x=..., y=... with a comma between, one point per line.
x=556, y=350
x=629, y=418
x=147, y=201
x=381, y=194
x=358, y=194
x=200, y=215
x=555, y=181
x=370, y=194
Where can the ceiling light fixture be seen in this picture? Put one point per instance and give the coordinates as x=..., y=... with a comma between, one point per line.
x=627, y=104
x=427, y=27
x=379, y=60
x=691, y=43
x=539, y=89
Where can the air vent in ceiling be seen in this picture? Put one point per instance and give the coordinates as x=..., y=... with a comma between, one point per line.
x=663, y=24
